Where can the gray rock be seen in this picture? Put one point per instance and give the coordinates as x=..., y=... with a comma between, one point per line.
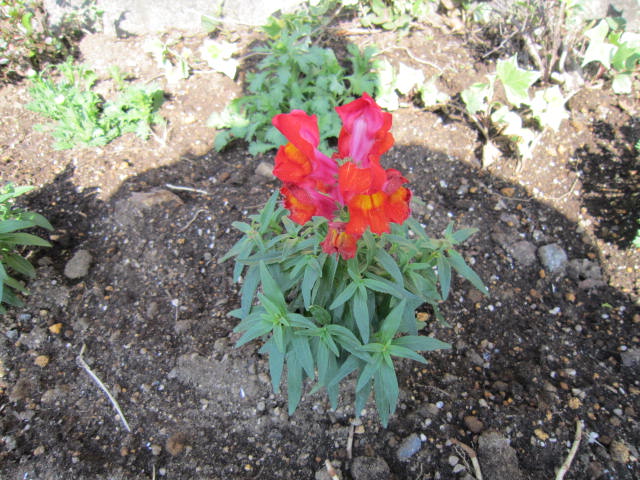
x=409, y=447
x=523, y=252
x=78, y=265
x=497, y=457
x=370, y=468
x=553, y=258
x=630, y=357
x=586, y=272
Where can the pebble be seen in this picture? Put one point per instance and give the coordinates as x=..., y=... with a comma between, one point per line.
x=458, y=468
x=370, y=468
x=24, y=317
x=78, y=265
x=619, y=451
x=631, y=357
x=553, y=258
x=176, y=443
x=473, y=424
x=265, y=170
x=156, y=449
x=409, y=447
x=523, y=252
x=453, y=460
x=42, y=361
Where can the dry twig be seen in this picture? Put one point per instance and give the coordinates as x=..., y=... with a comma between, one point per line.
x=80, y=361
x=186, y=189
x=350, y=442
x=198, y=212
x=472, y=455
x=572, y=453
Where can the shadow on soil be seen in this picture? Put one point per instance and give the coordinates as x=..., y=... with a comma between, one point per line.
x=538, y=354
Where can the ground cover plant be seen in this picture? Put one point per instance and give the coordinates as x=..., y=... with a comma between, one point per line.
x=65, y=95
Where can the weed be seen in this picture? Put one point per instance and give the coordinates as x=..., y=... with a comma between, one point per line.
x=12, y=221
x=81, y=116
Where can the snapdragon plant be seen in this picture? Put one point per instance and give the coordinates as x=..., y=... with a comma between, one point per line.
x=333, y=275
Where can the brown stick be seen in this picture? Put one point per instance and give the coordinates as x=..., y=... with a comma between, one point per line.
x=572, y=453
x=472, y=455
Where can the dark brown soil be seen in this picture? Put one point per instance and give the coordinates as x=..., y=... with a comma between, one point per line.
x=544, y=351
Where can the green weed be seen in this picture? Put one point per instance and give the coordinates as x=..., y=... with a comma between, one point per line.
x=12, y=221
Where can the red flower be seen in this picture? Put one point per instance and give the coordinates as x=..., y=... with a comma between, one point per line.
x=314, y=184
x=340, y=242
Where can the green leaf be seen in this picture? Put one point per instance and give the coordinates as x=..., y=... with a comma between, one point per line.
x=270, y=287
x=322, y=316
x=444, y=274
x=249, y=288
x=462, y=235
x=389, y=264
x=24, y=239
x=598, y=50
x=404, y=352
x=361, y=313
x=276, y=363
x=387, y=391
x=294, y=382
x=19, y=264
x=303, y=354
x=344, y=296
x=465, y=271
x=369, y=371
x=547, y=107
x=477, y=96
x=390, y=326
x=622, y=83
x=351, y=364
x=516, y=81
x=257, y=330
x=420, y=343
x=8, y=226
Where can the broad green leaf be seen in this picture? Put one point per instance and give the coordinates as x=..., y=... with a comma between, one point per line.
x=515, y=80
x=599, y=50
x=622, y=83
x=408, y=78
x=547, y=107
x=465, y=271
x=477, y=96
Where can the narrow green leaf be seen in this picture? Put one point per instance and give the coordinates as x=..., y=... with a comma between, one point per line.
x=361, y=313
x=404, y=352
x=421, y=343
x=465, y=271
x=8, y=226
x=24, y=239
x=269, y=285
x=303, y=354
x=369, y=371
x=276, y=363
x=463, y=234
x=294, y=382
x=249, y=288
x=389, y=264
x=344, y=296
x=444, y=274
x=351, y=364
x=390, y=326
x=257, y=330
x=20, y=264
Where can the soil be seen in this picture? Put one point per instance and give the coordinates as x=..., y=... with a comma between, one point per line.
x=545, y=350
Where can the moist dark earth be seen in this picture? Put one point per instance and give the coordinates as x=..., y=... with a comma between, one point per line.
x=546, y=350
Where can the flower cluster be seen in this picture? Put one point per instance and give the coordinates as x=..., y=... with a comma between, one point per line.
x=350, y=189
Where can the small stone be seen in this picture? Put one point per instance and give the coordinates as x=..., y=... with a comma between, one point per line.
x=38, y=451
x=78, y=265
x=42, y=361
x=553, y=258
x=508, y=191
x=56, y=328
x=370, y=468
x=541, y=434
x=261, y=406
x=156, y=449
x=265, y=170
x=453, y=460
x=409, y=447
x=458, y=468
x=630, y=357
x=574, y=403
x=473, y=424
x=619, y=451
x=523, y=252
x=176, y=443
x=497, y=457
